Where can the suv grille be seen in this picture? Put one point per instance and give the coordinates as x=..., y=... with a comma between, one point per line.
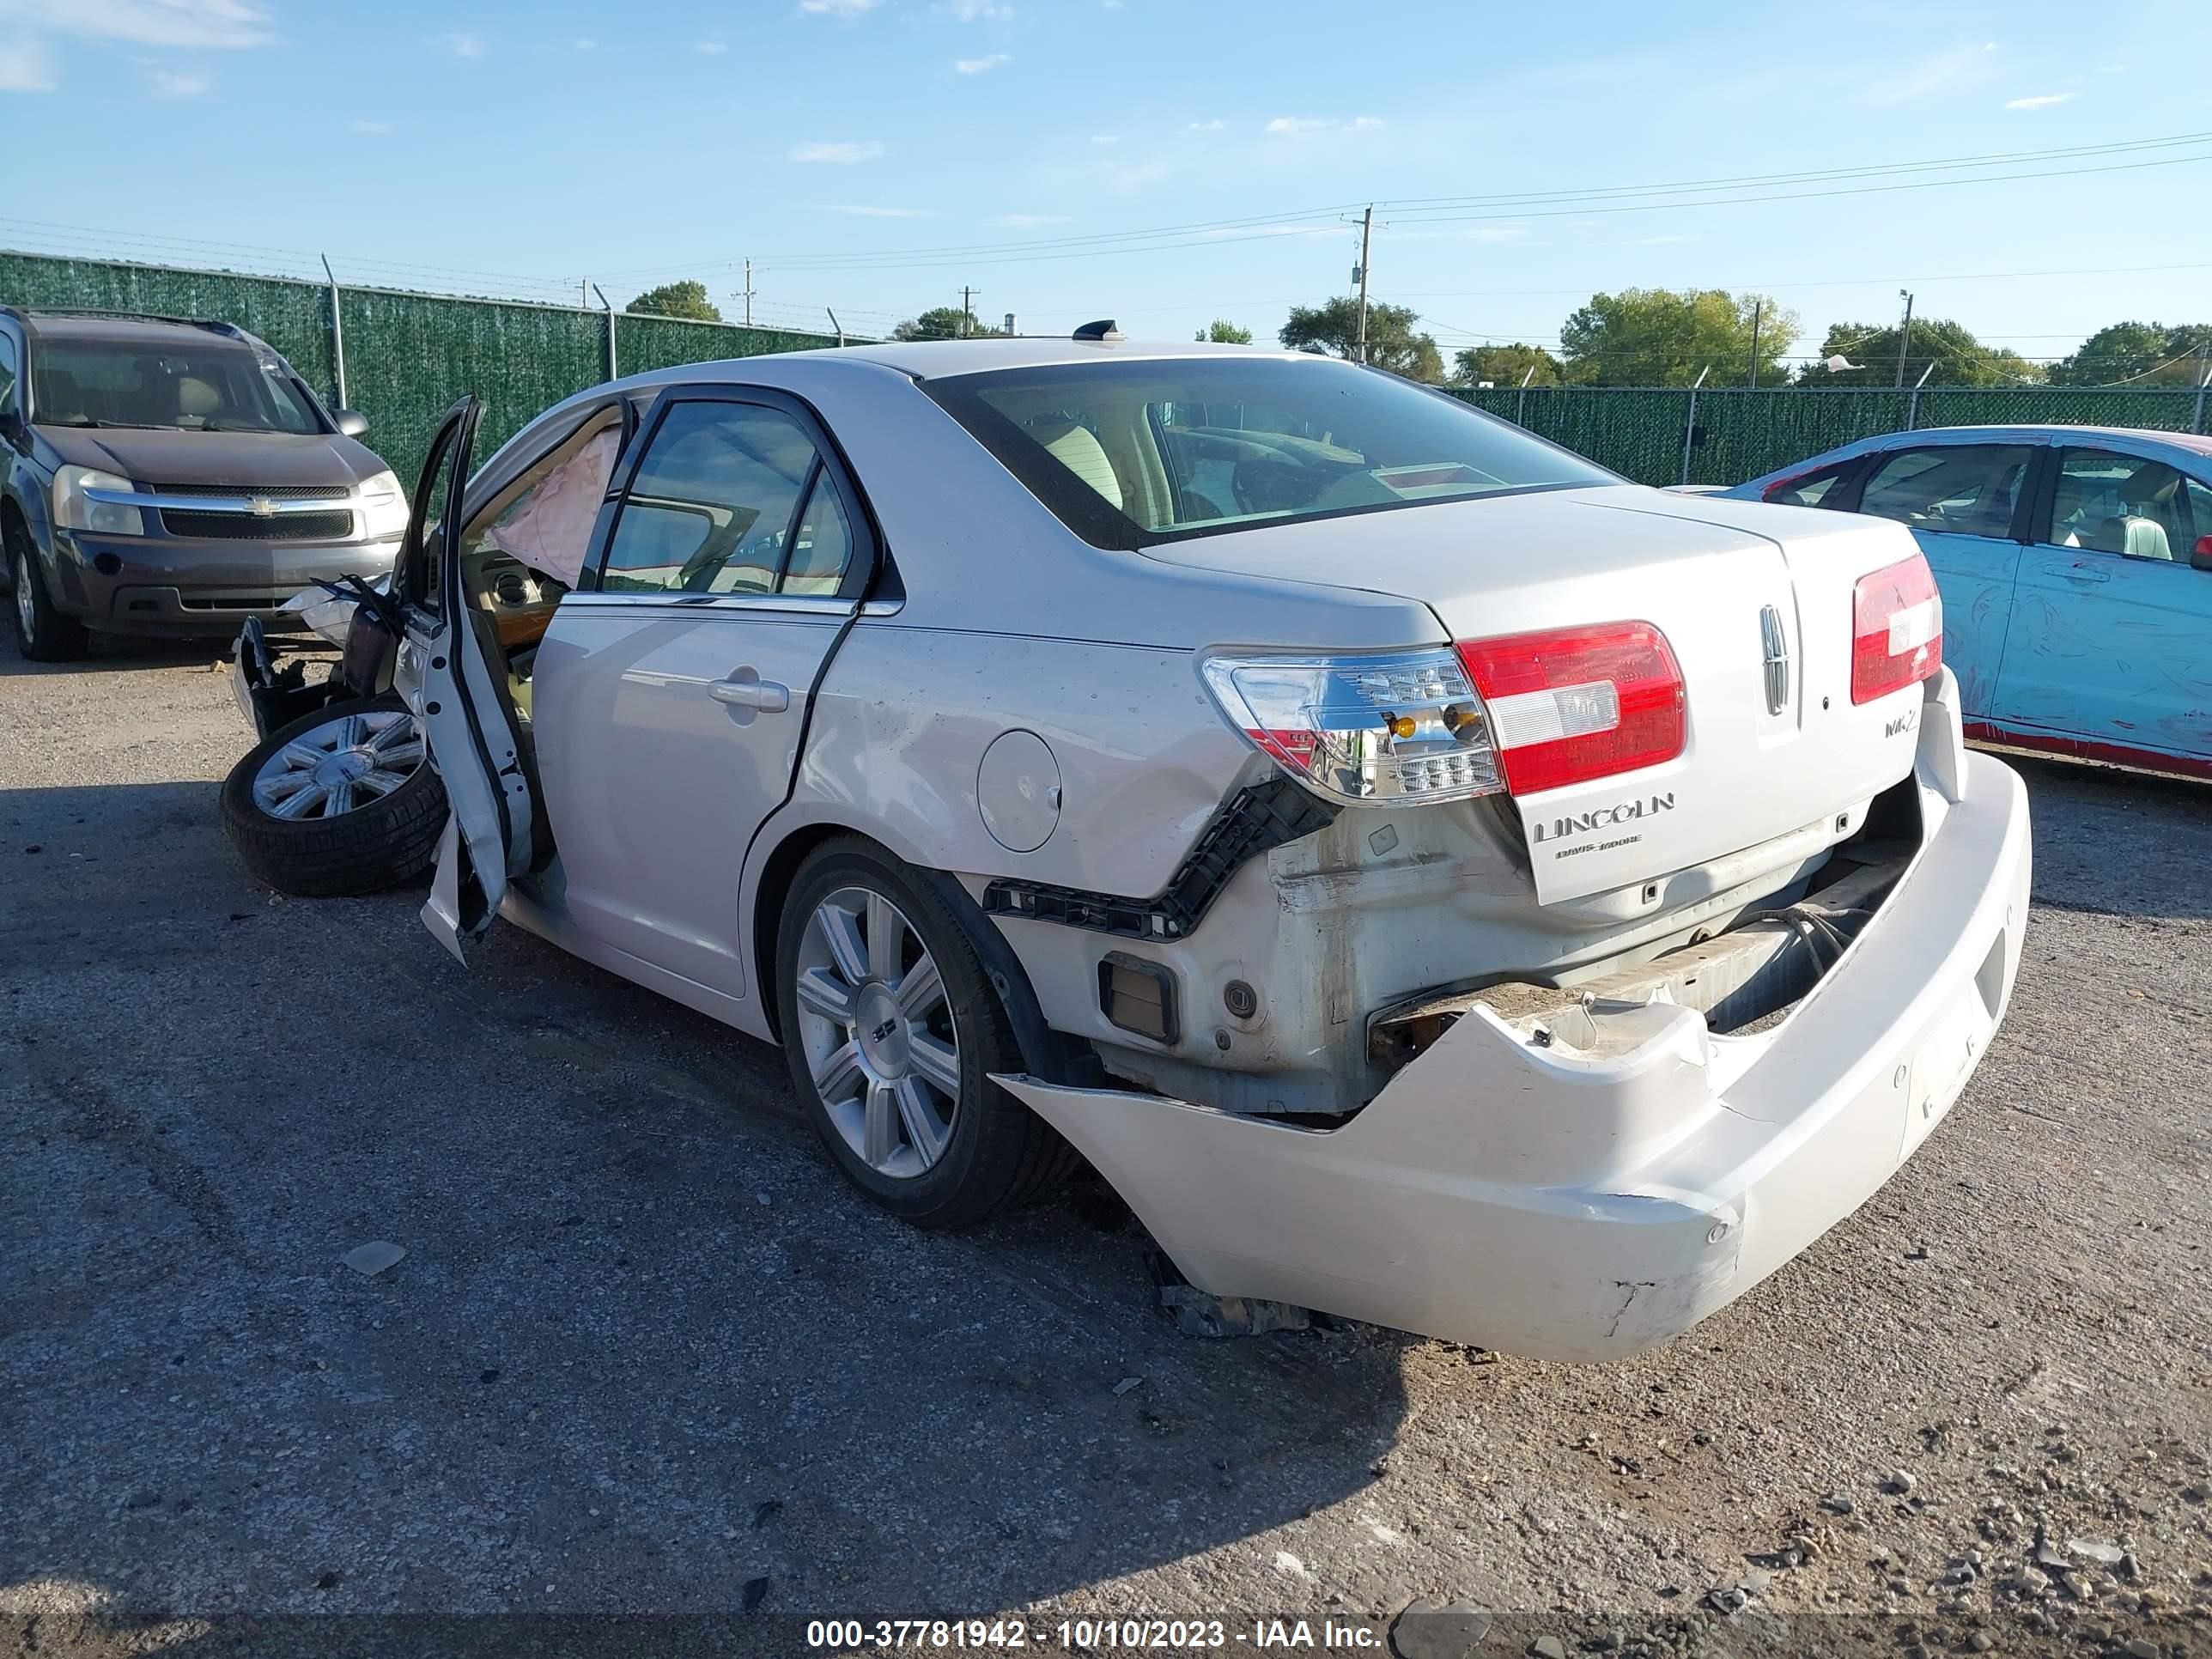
x=275, y=492
x=336, y=526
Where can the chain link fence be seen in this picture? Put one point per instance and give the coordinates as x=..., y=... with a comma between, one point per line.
x=406, y=356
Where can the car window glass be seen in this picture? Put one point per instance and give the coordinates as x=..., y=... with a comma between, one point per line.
x=2199, y=499
x=543, y=519
x=1130, y=453
x=711, y=503
x=2108, y=503
x=8, y=372
x=199, y=385
x=1813, y=489
x=823, y=547
x=1967, y=489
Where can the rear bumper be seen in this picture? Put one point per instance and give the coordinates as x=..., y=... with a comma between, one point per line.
x=158, y=585
x=1584, y=1203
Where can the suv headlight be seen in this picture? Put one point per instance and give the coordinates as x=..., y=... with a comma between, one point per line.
x=75, y=510
x=383, y=507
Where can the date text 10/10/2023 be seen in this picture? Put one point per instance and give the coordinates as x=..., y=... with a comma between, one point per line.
x=1089, y=1635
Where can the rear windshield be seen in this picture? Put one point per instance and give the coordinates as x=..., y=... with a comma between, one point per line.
x=1130, y=454
x=214, y=386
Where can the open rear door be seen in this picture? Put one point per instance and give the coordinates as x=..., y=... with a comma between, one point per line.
x=452, y=672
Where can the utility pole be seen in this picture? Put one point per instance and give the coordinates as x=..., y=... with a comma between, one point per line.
x=749, y=294
x=967, y=307
x=1904, y=339
x=1366, y=231
x=1758, y=307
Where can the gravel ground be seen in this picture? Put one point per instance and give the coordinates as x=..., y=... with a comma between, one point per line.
x=645, y=1356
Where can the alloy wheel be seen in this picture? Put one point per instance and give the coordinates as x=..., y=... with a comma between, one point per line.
x=877, y=1032
x=344, y=763
x=27, y=606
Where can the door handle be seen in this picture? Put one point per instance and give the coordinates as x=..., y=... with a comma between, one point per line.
x=768, y=697
x=2088, y=573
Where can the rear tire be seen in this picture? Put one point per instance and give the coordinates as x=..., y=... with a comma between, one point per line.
x=42, y=633
x=378, y=837
x=901, y=1027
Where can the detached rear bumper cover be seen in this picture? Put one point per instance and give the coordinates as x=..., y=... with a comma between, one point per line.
x=1584, y=1203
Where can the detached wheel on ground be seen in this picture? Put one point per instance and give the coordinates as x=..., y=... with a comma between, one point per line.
x=42, y=633
x=341, y=802
x=892, y=1029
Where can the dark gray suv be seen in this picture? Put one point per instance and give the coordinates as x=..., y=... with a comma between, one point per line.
x=172, y=478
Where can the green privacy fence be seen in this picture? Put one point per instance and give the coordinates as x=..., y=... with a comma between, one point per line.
x=407, y=356
x=1737, y=433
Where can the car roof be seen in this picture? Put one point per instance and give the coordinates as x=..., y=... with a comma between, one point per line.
x=123, y=328
x=2127, y=437
x=936, y=359
x=2037, y=431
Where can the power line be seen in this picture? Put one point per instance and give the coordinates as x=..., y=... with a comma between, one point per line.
x=1322, y=220
x=1418, y=204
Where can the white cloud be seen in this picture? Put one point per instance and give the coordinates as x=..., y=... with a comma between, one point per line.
x=373, y=129
x=1283, y=123
x=1105, y=137
x=842, y=154
x=585, y=45
x=838, y=8
x=1938, y=72
x=168, y=83
x=1217, y=124
x=969, y=11
x=2044, y=101
x=1025, y=221
x=214, y=23
x=25, y=66
x=880, y=212
x=458, y=43
x=710, y=48
x=977, y=65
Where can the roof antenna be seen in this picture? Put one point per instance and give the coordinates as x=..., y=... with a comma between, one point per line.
x=1102, y=332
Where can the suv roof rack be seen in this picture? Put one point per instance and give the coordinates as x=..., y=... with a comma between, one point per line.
x=213, y=325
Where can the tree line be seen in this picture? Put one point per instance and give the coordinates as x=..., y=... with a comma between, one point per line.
x=1656, y=338
x=1659, y=336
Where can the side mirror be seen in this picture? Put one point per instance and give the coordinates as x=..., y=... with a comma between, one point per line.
x=351, y=422
x=2201, y=557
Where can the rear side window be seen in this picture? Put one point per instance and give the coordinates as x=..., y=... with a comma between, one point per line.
x=8, y=372
x=715, y=507
x=1808, y=488
x=2108, y=503
x=1965, y=490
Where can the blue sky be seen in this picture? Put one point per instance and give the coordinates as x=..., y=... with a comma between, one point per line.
x=873, y=155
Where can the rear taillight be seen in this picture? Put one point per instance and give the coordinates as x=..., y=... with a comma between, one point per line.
x=1571, y=704
x=1382, y=730
x=1896, y=630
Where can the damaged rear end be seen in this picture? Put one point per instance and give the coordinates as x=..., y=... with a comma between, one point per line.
x=1635, y=955
x=1578, y=1176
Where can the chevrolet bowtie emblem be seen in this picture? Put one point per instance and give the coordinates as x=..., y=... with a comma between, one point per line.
x=261, y=506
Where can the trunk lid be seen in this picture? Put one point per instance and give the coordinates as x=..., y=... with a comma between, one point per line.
x=1773, y=749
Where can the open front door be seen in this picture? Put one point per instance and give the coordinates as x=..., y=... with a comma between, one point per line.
x=451, y=670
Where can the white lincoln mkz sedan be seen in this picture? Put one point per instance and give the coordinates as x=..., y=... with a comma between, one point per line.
x=1432, y=879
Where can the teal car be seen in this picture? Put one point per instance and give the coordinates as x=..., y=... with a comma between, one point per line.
x=2074, y=564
